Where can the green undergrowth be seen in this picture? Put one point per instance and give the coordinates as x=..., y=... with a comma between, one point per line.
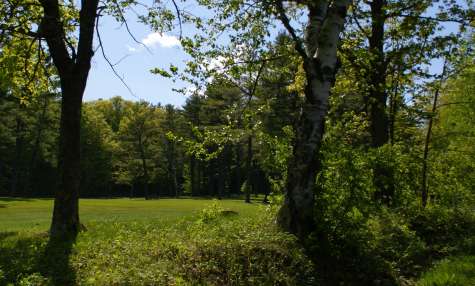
x=452, y=271
x=216, y=246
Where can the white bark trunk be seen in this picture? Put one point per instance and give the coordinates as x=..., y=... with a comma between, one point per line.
x=296, y=215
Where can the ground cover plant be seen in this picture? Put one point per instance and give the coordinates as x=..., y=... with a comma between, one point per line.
x=202, y=242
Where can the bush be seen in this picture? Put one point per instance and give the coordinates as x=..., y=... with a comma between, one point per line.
x=34, y=279
x=212, y=248
x=445, y=230
x=375, y=250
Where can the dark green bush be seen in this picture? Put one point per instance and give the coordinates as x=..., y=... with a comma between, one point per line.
x=375, y=250
x=445, y=230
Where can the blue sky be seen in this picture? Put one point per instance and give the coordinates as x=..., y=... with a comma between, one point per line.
x=136, y=62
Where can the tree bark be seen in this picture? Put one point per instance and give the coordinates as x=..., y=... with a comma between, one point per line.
x=319, y=54
x=193, y=176
x=36, y=146
x=379, y=124
x=424, y=189
x=377, y=100
x=17, y=159
x=144, y=169
x=249, y=169
x=73, y=70
x=238, y=168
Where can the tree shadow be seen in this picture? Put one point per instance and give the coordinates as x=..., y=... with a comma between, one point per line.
x=14, y=199
x=55, y=264
x=5, y=234
x=37, y=259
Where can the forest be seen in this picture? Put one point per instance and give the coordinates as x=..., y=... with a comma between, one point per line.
x=320, y=143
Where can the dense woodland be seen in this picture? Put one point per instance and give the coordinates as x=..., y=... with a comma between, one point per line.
x=354, y=118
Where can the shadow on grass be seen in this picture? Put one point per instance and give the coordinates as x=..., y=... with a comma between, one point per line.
x=35, y=259
x=14, y=199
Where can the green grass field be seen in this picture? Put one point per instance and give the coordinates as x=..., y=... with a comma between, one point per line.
x=154, y=242
x=166, y=242
x=32, y=215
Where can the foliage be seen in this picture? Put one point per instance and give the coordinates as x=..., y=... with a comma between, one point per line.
x=227, y=250
x=452, y=271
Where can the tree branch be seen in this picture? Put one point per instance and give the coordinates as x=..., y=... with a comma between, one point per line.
x=299, y=46
x=109, y=62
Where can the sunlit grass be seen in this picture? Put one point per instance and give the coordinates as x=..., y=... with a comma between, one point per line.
x=35, y=214
x=452, y=271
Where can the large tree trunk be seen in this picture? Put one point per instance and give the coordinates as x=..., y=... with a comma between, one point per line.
x=66, y=203
x=320, y=63
x=377, y=100
x=379, y=124
x=73, y=69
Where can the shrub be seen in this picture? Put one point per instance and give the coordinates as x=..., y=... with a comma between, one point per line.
x=34, y=279
x=369, y=250
x=445, y=230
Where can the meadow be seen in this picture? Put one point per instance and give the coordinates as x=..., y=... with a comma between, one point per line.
x=166, y=242
x=150, y=242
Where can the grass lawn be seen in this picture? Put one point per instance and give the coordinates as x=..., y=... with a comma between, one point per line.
x=17, y=214
x=155, y=242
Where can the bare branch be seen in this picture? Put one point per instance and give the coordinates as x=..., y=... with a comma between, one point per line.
x=109, y=62
x=286, y=22
x=179, y=18
x=124, y=21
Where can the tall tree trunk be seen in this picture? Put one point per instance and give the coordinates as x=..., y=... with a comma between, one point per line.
x=17, y=158
x=319, y=53
x=393, y=109
x=66, y=204
x=249, y=169
x=144, y=169
x=36, y=145
x=376, y=101
x=199, y=182
x=377, y=77
x=172, y=168
x=424, y=189
x=193, y=176
x=220, y=172
x=238, y=169
x=73, y=69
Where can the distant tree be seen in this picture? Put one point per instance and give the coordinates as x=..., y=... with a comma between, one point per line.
x=138, y=140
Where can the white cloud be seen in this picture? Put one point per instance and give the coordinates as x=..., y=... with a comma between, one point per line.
x=160, y=39
x=131, y=49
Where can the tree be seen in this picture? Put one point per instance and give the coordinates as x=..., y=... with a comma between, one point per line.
x=250, y=22
x=386, y=48
x=59, y=25
x=138, y=135
x=318, y=51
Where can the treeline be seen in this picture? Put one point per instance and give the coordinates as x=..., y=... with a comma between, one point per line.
x=235, y=138
x=138, y=149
